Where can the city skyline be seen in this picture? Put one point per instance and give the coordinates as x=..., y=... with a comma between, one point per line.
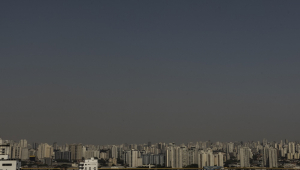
x=262, y=141
x=271, y=154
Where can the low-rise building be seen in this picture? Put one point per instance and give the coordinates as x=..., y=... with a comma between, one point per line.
x=9, y=164
x=89, y=164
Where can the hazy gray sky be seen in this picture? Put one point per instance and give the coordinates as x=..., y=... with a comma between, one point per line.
x=109, y=72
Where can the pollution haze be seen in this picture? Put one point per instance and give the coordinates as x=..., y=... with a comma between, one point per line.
x=112, y=72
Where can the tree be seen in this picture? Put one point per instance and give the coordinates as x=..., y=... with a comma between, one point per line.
x=102, y=162
x=230, y=161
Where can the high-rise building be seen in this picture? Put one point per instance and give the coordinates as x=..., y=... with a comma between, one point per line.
x=23, y=143
x=290, y=156
x=16, y=151
x=202, y=156
x=114, y=151
x=76, y=151
x=55, y=146
x=156, y=159
x=296, y=156
x=185, y=156
x=272, y=158
x=146, y=159
x=286, y=141
x=132, y=158
x=170, y=156
x=298, y=148
x=35, y=145
x=245, y=153
x=178, y=154
x=162, y=159
x=206, y=158
x=216, y=160
x=265, y=142
x=182, y=157
x=220, y=159
x=24, y=154
x=5, y=149
x=192, y=156
x=44, y=151
x=291, y=147
x=230, y=147
x=266, y=156
x=210, y=158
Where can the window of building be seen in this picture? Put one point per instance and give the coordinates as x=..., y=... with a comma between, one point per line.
x=6, y=164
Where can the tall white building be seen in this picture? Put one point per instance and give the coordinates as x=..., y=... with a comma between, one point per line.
x=206, y=158
x=84, y=154
x=114, y=151
x=16, y=151
x=182, y=155
x=44, y=151
x=220, y=159
x=298, y=148
x=272, y=158
x=170, y=159
x=89, y=154
x=24, y=154
x=230, y=147
x=192, y=156
x=291, y=147
x=23, y=143
x=102, y=155
x=179, y=155
x=202, y=156
x=210, y=158
x=245, y=153
x=132, y=158
x=283, y=151
x=290, y=156
x=265, y=156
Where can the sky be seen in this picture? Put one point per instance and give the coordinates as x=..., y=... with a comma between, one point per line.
x=110, y=72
